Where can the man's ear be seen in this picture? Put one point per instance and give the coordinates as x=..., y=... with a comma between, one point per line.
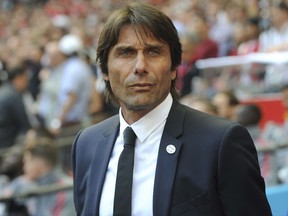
x=105, y=77
x=174, y=74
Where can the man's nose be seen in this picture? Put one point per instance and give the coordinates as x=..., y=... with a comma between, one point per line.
x=141, y=63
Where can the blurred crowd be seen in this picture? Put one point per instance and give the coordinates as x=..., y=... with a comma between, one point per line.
x=49, y=80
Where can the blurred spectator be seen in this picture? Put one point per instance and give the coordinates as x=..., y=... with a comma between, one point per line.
x=199, y=103
x=97, y=103
x=76, y=83
x=275, y=132
x=40, y=169
x=206, y=47
x=66, y=92
x=276, y=37
x=277, y=135
x=256, y=75
x=237, y=14
x=226, y=19
x=237, y=37
x=34, y=66
x=226, y=103
x=253, y=7
x=14, y=119
x=187, y=69
x=196, y=45
x=249, y=115
x=11, y=162
x=252, y=31
x=220, y=25
x=237, y=11
x=48, y=101
x=11, y=159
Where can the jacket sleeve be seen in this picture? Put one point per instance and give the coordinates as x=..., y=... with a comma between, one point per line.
x=241, y=186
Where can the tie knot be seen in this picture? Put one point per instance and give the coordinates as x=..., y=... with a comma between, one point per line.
x=129, y=137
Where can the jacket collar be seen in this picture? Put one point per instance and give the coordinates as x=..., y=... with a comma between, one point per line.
x=167, y=160
x=101, y=160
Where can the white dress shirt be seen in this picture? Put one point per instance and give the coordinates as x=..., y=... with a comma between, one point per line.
x=149, y=131
x=273, y=37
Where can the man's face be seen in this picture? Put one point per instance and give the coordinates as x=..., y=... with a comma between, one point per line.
x=139, y=70
x=22, y=81
x=222, y=104
x=278, y=16
x=32, y=166
x=53, y=54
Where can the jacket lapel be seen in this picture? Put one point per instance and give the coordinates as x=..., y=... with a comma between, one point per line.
x=167, y=160
x=100, y=161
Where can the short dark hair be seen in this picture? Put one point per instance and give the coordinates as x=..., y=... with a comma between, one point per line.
x=282, y=5
x=153, y=22
x=44, y=148
x=254, y=21
x=16, y=71
x=249, y=114
x=232, y=99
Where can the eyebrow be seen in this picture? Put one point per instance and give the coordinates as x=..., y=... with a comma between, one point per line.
x=155, y=46
x=146, y=46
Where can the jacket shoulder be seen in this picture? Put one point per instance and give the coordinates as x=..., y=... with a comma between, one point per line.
x=103, y=126
x=191, y=117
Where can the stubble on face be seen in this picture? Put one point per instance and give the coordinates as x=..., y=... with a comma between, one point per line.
x=140, y=72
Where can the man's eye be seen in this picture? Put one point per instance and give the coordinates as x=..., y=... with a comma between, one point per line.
x=154, y=51
x=125, y=52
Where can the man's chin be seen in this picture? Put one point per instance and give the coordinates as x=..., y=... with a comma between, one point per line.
x=140, y=107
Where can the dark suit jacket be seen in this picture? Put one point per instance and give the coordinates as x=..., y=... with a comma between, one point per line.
x=214, y=170
x=14, y=121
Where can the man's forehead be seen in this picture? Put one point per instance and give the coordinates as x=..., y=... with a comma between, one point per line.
x=141, y=42
x=143, y=36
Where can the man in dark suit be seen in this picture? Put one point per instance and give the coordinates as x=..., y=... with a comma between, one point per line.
x=14, y=121
x=186, y=162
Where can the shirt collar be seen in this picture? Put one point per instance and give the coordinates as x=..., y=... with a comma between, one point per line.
x=148, y=123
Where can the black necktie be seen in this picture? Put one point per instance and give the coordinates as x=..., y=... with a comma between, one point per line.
x=123, y=189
